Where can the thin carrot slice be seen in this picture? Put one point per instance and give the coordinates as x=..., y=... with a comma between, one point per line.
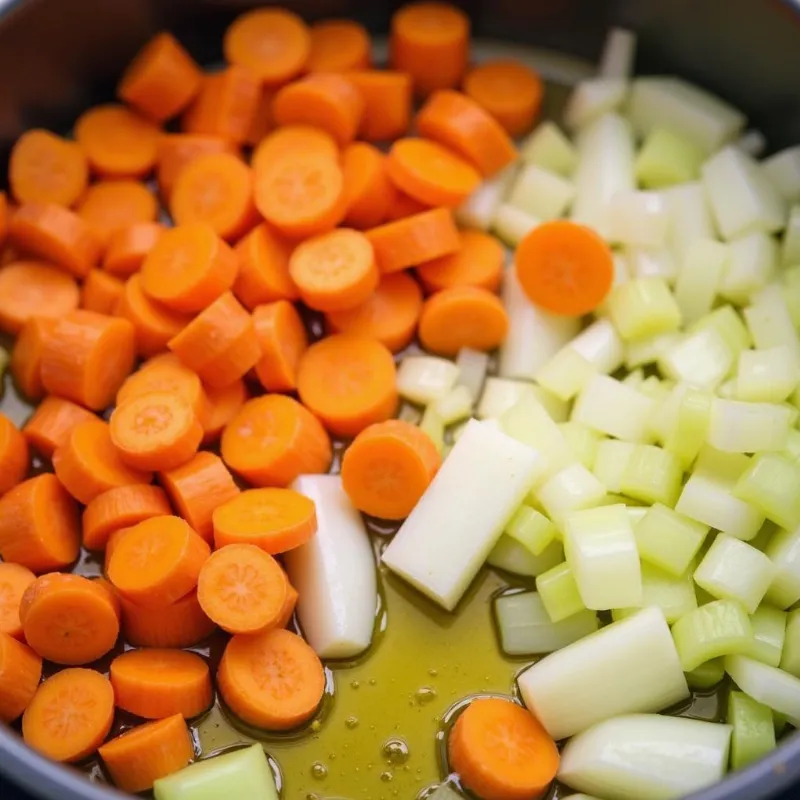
x=13, y=455
x=387, y=103
x=414, y=240
x=501, y=752
x=403, y=206
x=128, y=246
x=273, y=43
x=263, y=268
x=161, y=80
x=44, y=168
x=52, y=423
x=478, y=262
x=20, y=672
x=259, y=689
x=87, y=358
x=348, y=382
x=224, y=405
x=287, y=612
x=334, y=271
x=26, y=357
x=179, y=624
x=369, y=191
x=155, y=684
x=390, y=314
x=293, y=140
x=274, y=439
x=109, y=206
x=14, y=580
x=117, y=142
x=283, y=340
x=339, y=45
x=177, y=150
x=101, y=292
x=262, y=122
x=565, y=268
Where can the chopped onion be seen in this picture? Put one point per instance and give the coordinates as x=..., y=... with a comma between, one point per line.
x=593, y=97
x=549, y=148
x=501, y=394
x=512, y=556
x=541, y=193
x=424, y=379
x=783, y=170
x=669, y=540
x=753, y=259
x=728, y=324
x=609, y=406
x=768, y=685
x=753, y=729
x=619, y=52
x=699, y=278
x=480, y=208
x=666, y=158
x=643, y=308
x=769, y=634
x=512, y=224
x=784, y=551
x=559, y=593
x=601, y=346
x=690, y=216
x=647, y=351
x=638, y=218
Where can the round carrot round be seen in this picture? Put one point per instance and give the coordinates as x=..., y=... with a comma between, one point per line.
x=179, y=624
x=292, y=140
x=263, y=268
x=369, y=191
x=339, y=45
x=404, y=206
x=128, y=246
x=478, y=262
x=387, y=103
x=26, y=357
x=283, y=340
x=109, y=206
x=20, y=673
x=262, y=122
x=13, y=455
x=51, y=423
x=564, y=268
x=14, y=580
x=178, y=150
x=224, y=404
x=101, y=292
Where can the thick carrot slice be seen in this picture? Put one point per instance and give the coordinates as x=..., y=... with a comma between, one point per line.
x=339, y=45
x=154, y=684
x=89, y=464
x=283, y=339
x=414, y=240
x=263, y=268
x=70, y=715
x=52, y=423
x=220, y=343
x=13, y=455
x=117, y=142
x=274, y=439
x=387, y=103
x=44, y=168
x=369, y=191
x=177, y=150
x=389, y=315
x=5, y=213
x=458, y=122
x=293, y=140
x=287, y=612
x=430, y=41
x=262, y=122
x=501, y=752
x=259, y=689
x=120, y=508
x=161, y=80
x=101, y=292
x=323, y=100
x=87, y=358
x=20, y=672
x=273, y=43
x=109, y=206
x=14, y=580
x=403, y=206
x=478, y=262
x=565, y=268
x=128, y=246
x=26, y=357
x=180, y=624
x=348, y=382
x=224, y=405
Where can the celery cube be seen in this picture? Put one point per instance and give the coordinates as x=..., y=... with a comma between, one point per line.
x=548, y=147
x=455, y=406
x=512, y=224
x=790, y=657
x=559, y=592
x=768, y=376
x=423, y=379
x=738, y=427
x=707, y=675
x=769, y=633
x=726, y=321
x=501, y=394
x=566, y=373
x=531, y=529
x=432, y=424
x=600, y=345
x=701, y=359
x=609, y=406
x=611, y=462
x=690, y=428
x=751, y=265
x=648, y=351
x=582, y=441
x=652, y=475
x=651, y=262
x=784, y=551
x=667, y=158
x=638, y=219
x=772, y=484
x=753, y=730
x=674, y=596
x=572, y=488
x=699, y=278
x=791, y=451
x=770, y=321
x=669, y=540
x=644, y=307
x=541, y=193
x=512, y=556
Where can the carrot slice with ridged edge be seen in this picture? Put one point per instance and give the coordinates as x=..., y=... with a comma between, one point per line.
x=51, y=424
x=339, y=45
x=224, y=405
x=293, y=140
x=179, y=624
x=128, y=246
x=14, y=580
x=101, y=292
x=20, y=672
x=263, y=268
x=111, y=205
x=369, y=191
x=26, y=357
x=283, y=340
x=387, y=103
x=177, y=150
x=14, y=457
x=478, y=262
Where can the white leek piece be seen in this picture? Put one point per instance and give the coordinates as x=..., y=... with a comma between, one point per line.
x=455, y=406
x=699, y=278
x=638, y=218
x=511, y=555
x=651, y=262
x=690, y=216
x=674, y=596
x=570, y=489
x=593, y=97
x=652, y=475
x=771, y=686
x=702, y=359
x=627, y=667
x=609, y=406
x=771, y=483
x=334, y=573
x=752, y=142
x=619, y=53
x=739, y=427
x=611, y=462
x=541, y=193
x=512, y=224
x=479, y=209
x=753, y=729
x=582, y=441
x=784, y=551
x=769, y=634
x=549, y=148
x=566, y=373
x=783, y=170
x=601, y=346
x=770, y=322
x=423, y=379
x=666, y=158
x=768, y=376
x=790, y=656
x=753, y=259
x=669, y=540
x=559, y=592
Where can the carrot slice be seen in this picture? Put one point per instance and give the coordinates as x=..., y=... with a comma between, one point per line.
x=389, y=315
x=26, y=357
x=273, y=43
x=430, y=41
x=414, y=240
x=13, y=455
x=263, y=275
x=220, y=343
x=339, y=45
x=44, y=168
x=274, y=439
x=293, y=140
x=179, y=624
x=403, y=206
x=262, y=122
x=128, y=246
x=177, y=150
x=565, y=268
x=109, y=206
x=155, y=684
x=120, y=508
x=20, y=672
x=14, y=580
x=368, y=189
x=478, y=262
x=118, y=143
x=5, y=213
x=348, y=382
x=258, y=687
x=161, y=80
x=52, y=423
x=501, y=752
x=101, y=292
x=224, y=405
x=387, y=103
x=87, y=358
x=287, y=612
x=283, y=340
x=70, y=715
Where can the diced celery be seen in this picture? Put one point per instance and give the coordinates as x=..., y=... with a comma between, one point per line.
x=432, y=424
x=674, y=596
x=769, y=633
x=753, y=259
x=772, y=484
x=690, y=427
x=559, y=593
x=635, y=378
x=556, y=408
x=655, y=388
x=548, y=147
x=769, y=375
x=566, y=373
x=701, y=359
x=512, y=224
x=592, y=98
x=609, y=406
x=501, y=394
x=780, y=721
x=620, y=276
x=423, y=379
x=691, y=217
x=776, y=689
x=652, y=475
x=706, y=675
x=739, y=427
x=600, y=345
x=472, y=367
x=409, y=413
x=729, y=325
x=753, y=730
x=791, y=450
x=716, y=629
x=668, y=539
x=763, y=537
x=769, y=320
x=727, y=390
x=638, y=218
x=445, y=792
x=455, y=406
x=582, y=441
x=790, y=657
x=541, y=193
x=753, y=142
x=531, y=529
x=512, y=556
x=790, y=244
x=479, y=209
x=644, y=307
x=619, y=52
x=570, y=489
x=667, y=158
x=699, y=278
x=647, y=351
x=611, y=462
x=783, y=170
x=635, y=513
x=784, y=551
x=651, y=262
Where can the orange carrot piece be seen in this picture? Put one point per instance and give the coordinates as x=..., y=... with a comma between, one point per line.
x=339, y=45
x=224, y=405
x=14, y=580
x=101, y=292
x=348, y=382
x=293, y=140
x=13, y=455
x=478, y=262
x=128, y=246
x=20, y=672
x=403, y=206
x=283, y=340
x=501, y=752
x=51, y=424
x=263, y=275
x=154, y=684
x=390, y=314
x=414, y=240
x=287, y=612
x=161, y=80
x=257, y=687
x=5, y=214
x=177, y=150
x=44, y=168
x=26, y=357
x=179, y=624
x=220, y=343
x=70, y=715
x=111, y=205
x=118, y=143
x=368, y=189
x=87, y=358
x=120, y=508
x=273, y=439
x=262, y=122
x=387, y=103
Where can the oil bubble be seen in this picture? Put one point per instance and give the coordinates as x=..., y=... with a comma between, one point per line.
x=387, y=777
x=396, y=752
x=355, y=684
x=319, y=771
x=425, y=695
x=351, y=722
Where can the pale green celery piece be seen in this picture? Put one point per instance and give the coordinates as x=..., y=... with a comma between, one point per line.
x=455, y=406
x=531, y=529
x=772, y=484
x=566, y=373
x=557, y=409
x=781, y=721
x=652, y=475
x=609, y=406
x=752, y=265
x=768, y=376
x=634, y=379
x=512, y=224
x=716, y=629
x=654, y=387
x=635, y=513
x=792, y=450
x=550, y=148
x=691, y=425
x=643, y=308
x=508, y=554
x=648, y=351
x=501, y=394
x=740, y=427
x=729, y=324
x=446, y=792
x=611, y=462
x=702, y=359
x=700, y=277
x=753, y=730
x=791, y=296
x=769, y=321
x=667, y=158
x=769, y=633
x=410, y=413
x=784, y=551
x=764, y=536
x=424, y=379
x=559, y=592
x=674, y=596
x=433, y=425
x=583, y=441
x=707, y=675
x=669, y=540
x=571, y=488
x=790, y=657
x=541, y=192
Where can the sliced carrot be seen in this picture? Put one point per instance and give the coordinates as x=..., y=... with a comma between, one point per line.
x=414, y=240
x=13, y=455
x=387, y=103
x=283, y=339
x=89, y=464
x=109, y=206
x=273, y=43
x=217, y=189
x=390, y=314
x=273, y=439
x=263, y=268
x=20, y=672
x=26, y=357
x=120, y=508
x=334, y=271
x=262, y=122
x=161, y=80
x=14, y=580
x=478, y=262
x=87, y=358
x=139, y=757
x=403, y=206
x=101, y=292
x=224, y=405
x=177, y=150
x=564, y=267
x=220, y=343
x=154, y=684
x=369, y=191
x=179, y=624
x=293, y=140
x=44, y=168
x=458, y=122
x=70, y=715
x=128, y=246
x=323, y=100
x=430, y=41
x=339, y=45
x=257, y=687
x=501, y=751
x=287, y=612
x=5, y=214
x=348, y=382
x=55, y=234
x=52, y=423
x=117, y=142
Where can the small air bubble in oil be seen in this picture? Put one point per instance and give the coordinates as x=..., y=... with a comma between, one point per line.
x=351, y=722
x=319, y=771
x=396, y=752
x=387, y=776
x=425, y=695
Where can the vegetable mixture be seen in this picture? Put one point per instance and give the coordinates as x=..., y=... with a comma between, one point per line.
x=285, y=378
